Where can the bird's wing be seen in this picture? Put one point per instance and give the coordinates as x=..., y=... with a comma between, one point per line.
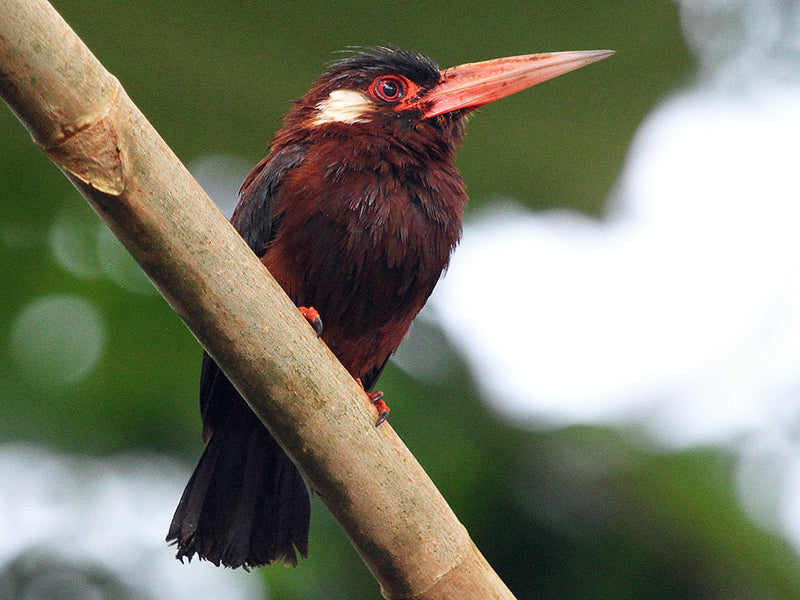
x=369, y=379
x=254, y=217
x=256, y=222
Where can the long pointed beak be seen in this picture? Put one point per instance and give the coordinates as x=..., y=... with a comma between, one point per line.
x=475, y=84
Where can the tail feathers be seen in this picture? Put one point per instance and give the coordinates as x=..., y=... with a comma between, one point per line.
x=246, y=504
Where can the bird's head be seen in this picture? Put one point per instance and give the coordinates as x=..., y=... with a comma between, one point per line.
x=395, y=92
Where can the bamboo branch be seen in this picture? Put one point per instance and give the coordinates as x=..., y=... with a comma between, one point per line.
x=81, y=117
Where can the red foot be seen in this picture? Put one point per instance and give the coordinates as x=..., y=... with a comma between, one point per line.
x=313, y=318
x=383, y=410
x=377, y=399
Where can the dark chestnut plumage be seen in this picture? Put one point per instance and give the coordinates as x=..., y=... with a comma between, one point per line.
x=355, y=211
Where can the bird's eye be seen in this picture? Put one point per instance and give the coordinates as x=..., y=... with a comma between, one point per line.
x=388, y=89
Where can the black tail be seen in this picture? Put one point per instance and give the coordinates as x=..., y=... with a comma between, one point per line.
x=246, y=504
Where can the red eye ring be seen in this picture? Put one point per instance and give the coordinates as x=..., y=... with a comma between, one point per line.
x=388, y=88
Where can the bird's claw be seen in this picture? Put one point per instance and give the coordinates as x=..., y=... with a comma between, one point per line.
x=383, y=410
x=312, y=316
x=377, y=399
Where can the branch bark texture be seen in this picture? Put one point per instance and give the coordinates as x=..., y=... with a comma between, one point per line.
x=81, y=117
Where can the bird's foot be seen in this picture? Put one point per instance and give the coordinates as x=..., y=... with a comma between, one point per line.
x=312, y=316
x=383, y=410
x=377, y=400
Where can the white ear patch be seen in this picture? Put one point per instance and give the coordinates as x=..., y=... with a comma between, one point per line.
x=344, y=106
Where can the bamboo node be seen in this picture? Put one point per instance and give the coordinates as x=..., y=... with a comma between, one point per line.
x=91, y=151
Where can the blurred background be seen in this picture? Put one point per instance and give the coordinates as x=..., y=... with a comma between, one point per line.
x=605, y=386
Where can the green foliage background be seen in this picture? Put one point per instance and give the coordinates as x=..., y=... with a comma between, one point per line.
x=575, y=513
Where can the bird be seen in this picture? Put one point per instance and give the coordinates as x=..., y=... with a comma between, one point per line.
x=355, y=212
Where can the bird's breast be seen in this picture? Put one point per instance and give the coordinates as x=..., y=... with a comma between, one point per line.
x=365, y=247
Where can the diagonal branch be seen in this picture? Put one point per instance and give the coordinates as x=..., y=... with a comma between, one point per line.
x=81, y=117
